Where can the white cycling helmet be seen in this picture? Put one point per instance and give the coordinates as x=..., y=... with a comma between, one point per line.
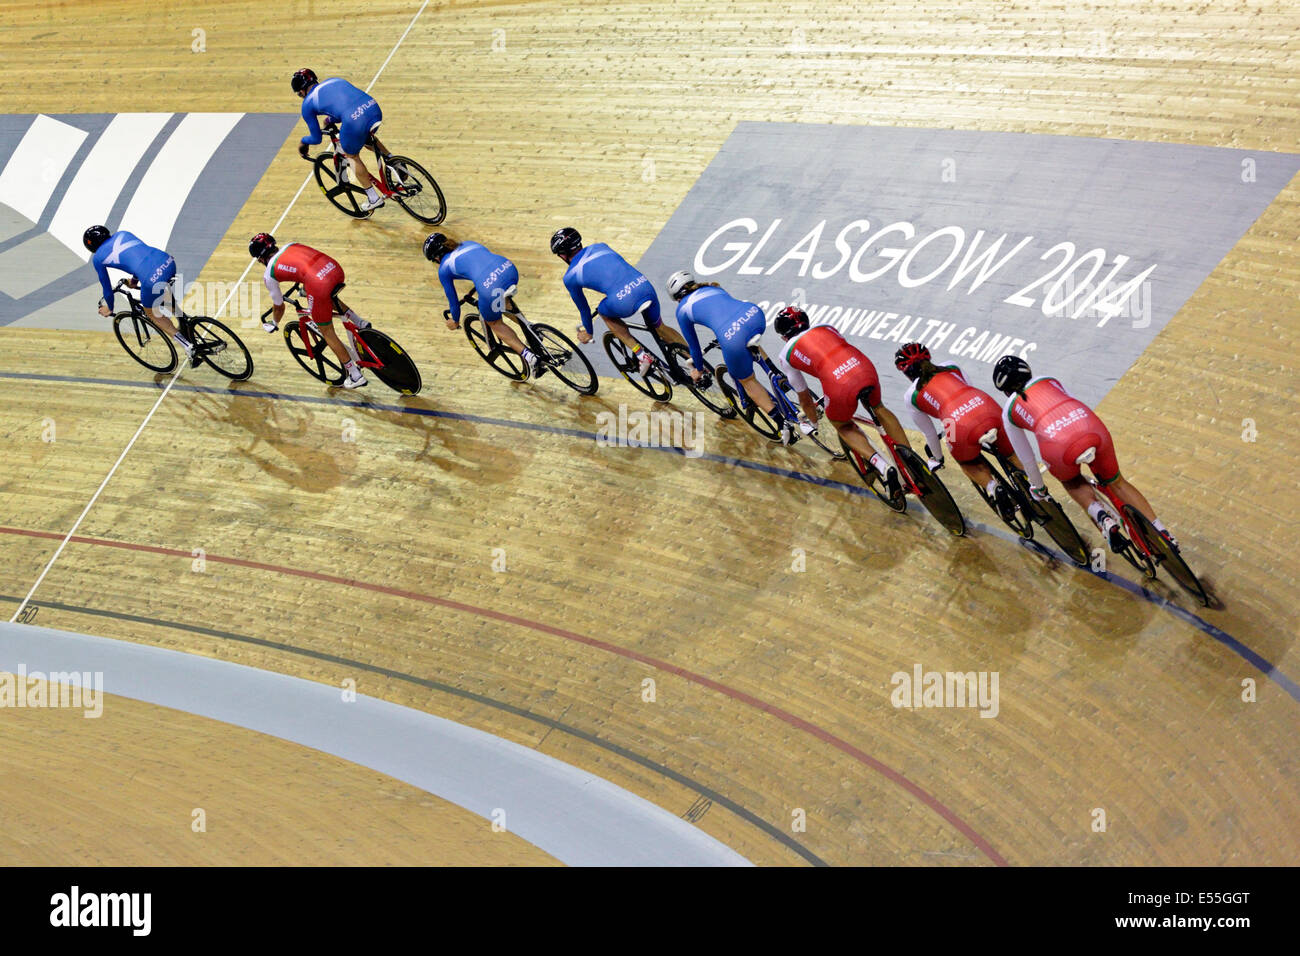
x=677, y=282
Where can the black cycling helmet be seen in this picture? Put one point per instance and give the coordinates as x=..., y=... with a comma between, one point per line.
x=909, y=359
x=94, y=237
x=261, y=246
x=435, y=247
x=1011, y=374
x=566, y=241
x=302, y=81
x=790, y=321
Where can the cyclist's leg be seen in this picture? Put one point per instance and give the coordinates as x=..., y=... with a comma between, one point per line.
x=888, y=420
x=321, y=306
x=617, y=326
x=497, y=299
x=353, y=133
x=158, y=298
x=654, y=320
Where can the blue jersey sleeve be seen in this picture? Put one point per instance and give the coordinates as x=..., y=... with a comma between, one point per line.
x=449, y=286
x=580, y=300
x=687, y=326
x=313, y=128
x=101, y=270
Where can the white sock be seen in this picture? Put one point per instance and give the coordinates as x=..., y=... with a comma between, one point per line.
x=991, y=487
x=1097, y=513
x=1159, y=525
x=373, y=193
x=880, y=464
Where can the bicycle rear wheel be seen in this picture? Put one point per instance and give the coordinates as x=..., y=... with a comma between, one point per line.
x=221, y=348
x=654, y=384
x=398, y=372
x=566, y=360
x=747, y=410
x=505, y=360
x=1052, y=518
x=707, y=391
x=321, y=365
x=1167, y=556
x=145, y=342
x=344, y=195
x=875, y=484
x=415, y=190
x=935, y=496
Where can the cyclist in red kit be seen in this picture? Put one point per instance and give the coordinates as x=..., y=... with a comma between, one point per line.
x=321, y=278
x=967, y=414
x=847, y=377
x=1065, y=428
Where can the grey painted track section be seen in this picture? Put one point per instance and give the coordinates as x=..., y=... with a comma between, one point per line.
x=578, y=818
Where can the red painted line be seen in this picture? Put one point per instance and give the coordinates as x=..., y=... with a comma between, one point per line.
x=799, y=723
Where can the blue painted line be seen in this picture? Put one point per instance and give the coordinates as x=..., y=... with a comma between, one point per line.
x=1252, y=657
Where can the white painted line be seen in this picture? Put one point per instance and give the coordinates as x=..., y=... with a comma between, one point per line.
x=181, y=365
x=103, y=175
x=577, y=817
x=38, y=163
x=175, y=169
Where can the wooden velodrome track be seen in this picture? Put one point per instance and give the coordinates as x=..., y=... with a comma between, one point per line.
x=624, y=564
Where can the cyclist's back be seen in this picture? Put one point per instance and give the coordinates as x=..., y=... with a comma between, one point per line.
x=1065, y=428
x=732, y=321
x=599, y=268
x=844, y=370
x=144, y=263
x=334, y=98
x=968, y=413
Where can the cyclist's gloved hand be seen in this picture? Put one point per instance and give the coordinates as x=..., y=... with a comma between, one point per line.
x=302, y=150
x=1039, y=493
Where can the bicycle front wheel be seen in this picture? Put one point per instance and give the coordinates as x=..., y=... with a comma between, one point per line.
x=343, y=195
x=653, y=384
x=145, y=342
x=935, y=497
x=221, y=348
x=320, y=363
x=415, y=190
x=396, y=370
x=707, y=391
x=747, y=410
x=566, y=360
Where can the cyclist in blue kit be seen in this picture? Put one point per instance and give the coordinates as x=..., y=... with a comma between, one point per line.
x=495, y=279
x=627, y=292
x=354, y=111
x=151, y=270
x=734, y=324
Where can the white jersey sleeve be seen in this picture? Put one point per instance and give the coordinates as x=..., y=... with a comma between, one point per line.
x=1022, y=446
x=924, y=423
x=797, y=381
x=277, y=297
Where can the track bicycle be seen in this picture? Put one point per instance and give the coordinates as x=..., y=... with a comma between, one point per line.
x=658, y=381
x=1144, y=546
x=374, y=350
x=213, y=341
x=400, y=179
x=783, y=396
x=914, y=477
x=559, y=353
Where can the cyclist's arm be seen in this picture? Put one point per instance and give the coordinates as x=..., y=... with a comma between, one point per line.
x=313, y=127
x=692, y=340
x=580, y=300
x=1023, y=447
x=102, y=271
x=449, y=287
x=277, y=297
x=800, y=386
x=924, y=424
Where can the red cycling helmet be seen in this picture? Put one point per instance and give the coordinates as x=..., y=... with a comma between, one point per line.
x=908, y=359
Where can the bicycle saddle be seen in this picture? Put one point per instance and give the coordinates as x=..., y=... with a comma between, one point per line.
x=1086, y=457
x=989, y=437
x=754, y=340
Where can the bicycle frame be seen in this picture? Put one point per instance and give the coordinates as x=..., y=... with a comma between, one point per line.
x=139, y=314
x=904, y=473
x=369, y=360
x=380, y=181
